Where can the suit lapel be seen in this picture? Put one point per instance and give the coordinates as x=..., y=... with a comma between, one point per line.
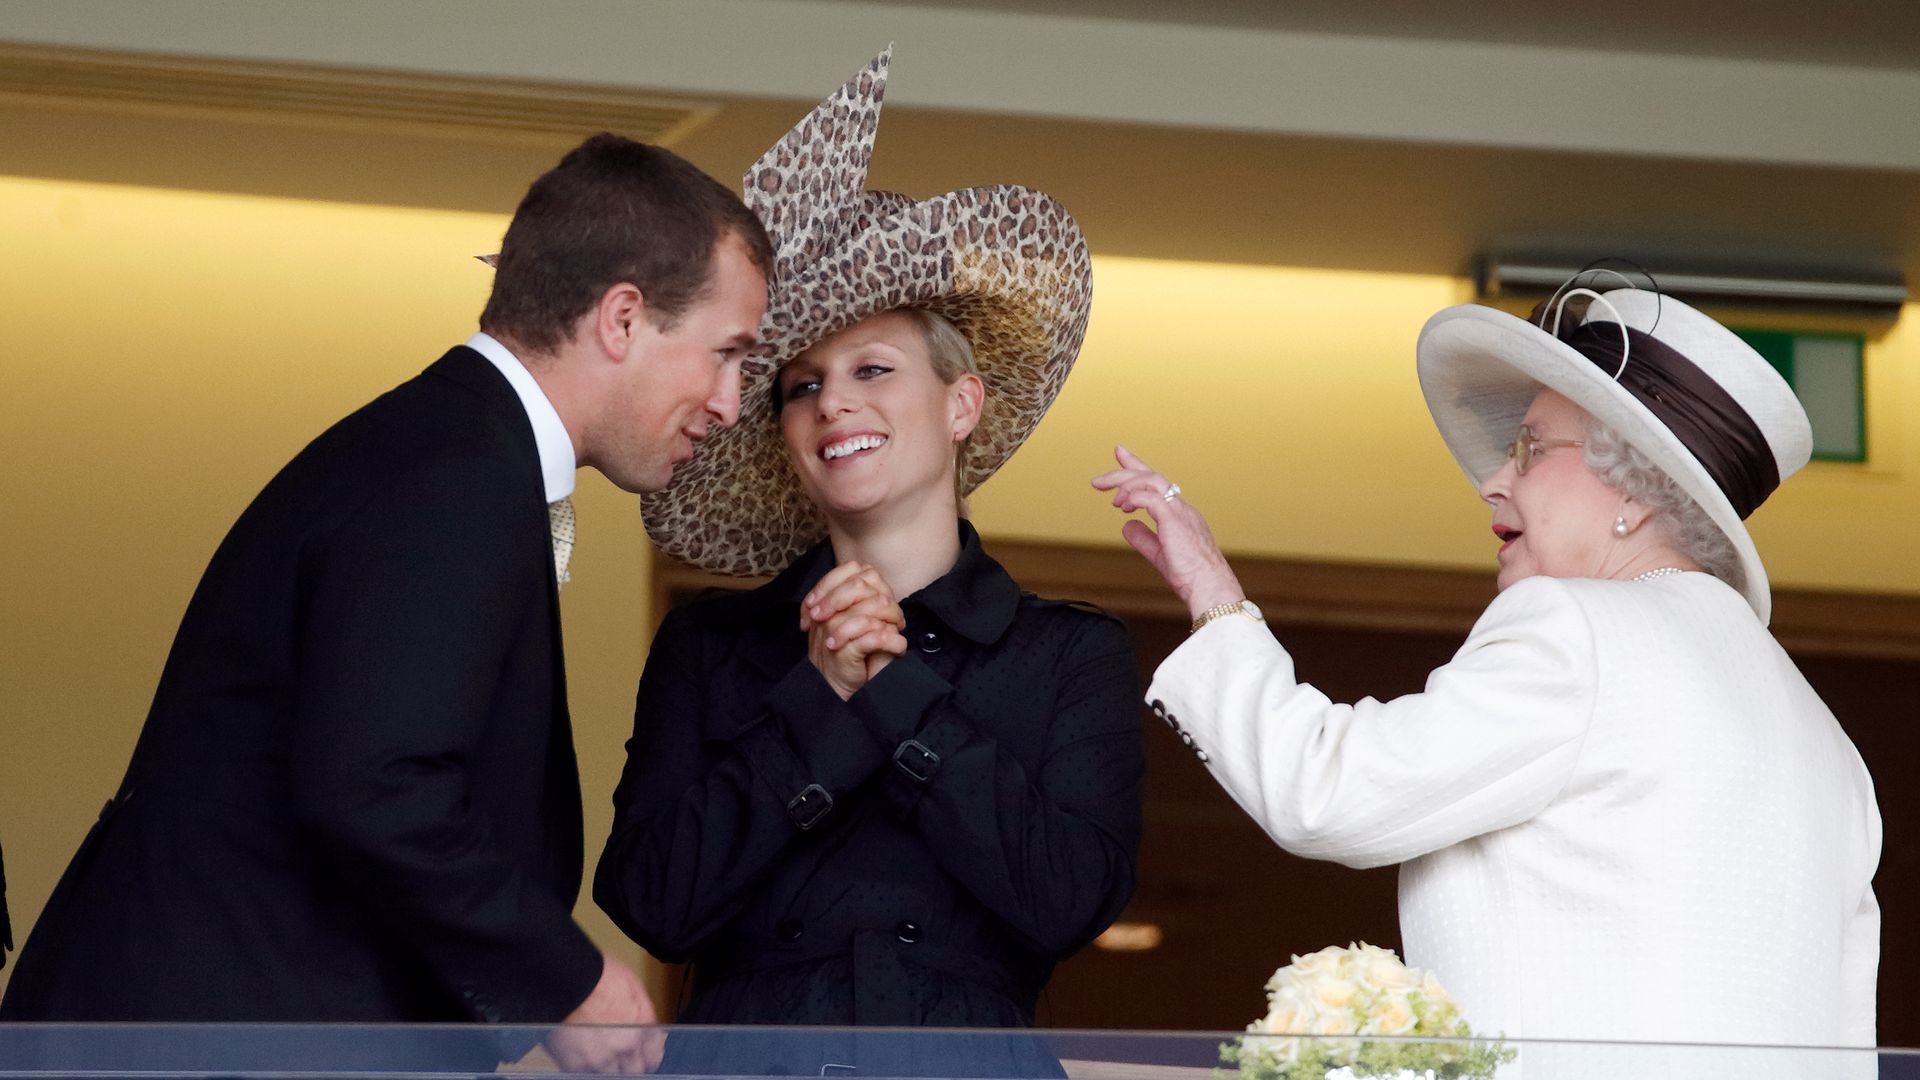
x=477, y=374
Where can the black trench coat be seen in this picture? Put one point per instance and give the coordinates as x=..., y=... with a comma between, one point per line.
x=919, y=855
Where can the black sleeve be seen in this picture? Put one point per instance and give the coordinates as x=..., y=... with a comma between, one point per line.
x=412, y=618
x=698, y=823
x=1051, y=852
x=6, y=924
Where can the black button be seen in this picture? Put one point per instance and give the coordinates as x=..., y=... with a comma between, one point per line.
x=787, y=930
x=1173, y=723
x=929, y=642
x=1202, y=755
x=1159, y=708
x=1186, y=738
x=908, y=931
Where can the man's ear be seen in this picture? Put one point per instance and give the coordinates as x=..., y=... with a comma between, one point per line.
x=967, y=395
x=617, y=318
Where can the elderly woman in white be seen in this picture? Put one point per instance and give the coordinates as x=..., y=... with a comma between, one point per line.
x=1621, y=812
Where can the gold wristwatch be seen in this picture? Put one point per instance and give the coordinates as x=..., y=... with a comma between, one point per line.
x=1221, y=611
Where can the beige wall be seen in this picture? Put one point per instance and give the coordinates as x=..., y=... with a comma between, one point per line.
x=165, y=352
x=1285, y=402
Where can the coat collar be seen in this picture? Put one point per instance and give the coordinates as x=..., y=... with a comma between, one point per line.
x=557, y=459
x=469, y=369
x=473, y=371
x=976, y=599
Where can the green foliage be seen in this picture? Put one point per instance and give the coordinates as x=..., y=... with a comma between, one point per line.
x=1374, y=1057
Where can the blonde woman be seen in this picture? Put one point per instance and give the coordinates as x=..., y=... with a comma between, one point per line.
x=887, y=788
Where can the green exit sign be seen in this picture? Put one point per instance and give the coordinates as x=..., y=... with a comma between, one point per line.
x=1826, y=373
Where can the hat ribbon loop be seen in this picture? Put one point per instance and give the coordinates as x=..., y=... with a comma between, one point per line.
x=1560, y=302
x=1713, y=427
x=1590, y=271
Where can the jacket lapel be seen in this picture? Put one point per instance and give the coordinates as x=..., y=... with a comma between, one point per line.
x=476, y=373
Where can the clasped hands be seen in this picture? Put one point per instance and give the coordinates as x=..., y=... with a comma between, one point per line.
x=854, y=626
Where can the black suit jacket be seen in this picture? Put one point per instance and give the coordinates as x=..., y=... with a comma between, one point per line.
x=355, y=796
x=6, y=924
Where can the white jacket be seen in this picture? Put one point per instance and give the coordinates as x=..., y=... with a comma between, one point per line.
x=1622, y=812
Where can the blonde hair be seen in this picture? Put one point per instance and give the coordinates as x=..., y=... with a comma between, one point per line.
x=951, y=355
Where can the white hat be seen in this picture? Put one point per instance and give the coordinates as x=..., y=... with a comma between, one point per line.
x=1679, y=387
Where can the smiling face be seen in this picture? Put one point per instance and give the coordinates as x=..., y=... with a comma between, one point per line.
x=675, y=382
x=1557, y=519
x=870, y=427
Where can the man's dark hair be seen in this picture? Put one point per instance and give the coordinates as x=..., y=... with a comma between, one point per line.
x=613, y=210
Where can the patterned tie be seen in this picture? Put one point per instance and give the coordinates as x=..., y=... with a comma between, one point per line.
x=560, y=524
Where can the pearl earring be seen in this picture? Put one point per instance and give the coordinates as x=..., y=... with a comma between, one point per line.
x=1620, y=526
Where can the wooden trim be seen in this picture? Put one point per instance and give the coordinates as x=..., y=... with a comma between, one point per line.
x=1288, y=590
x=1375, y=597
x=1884, y=627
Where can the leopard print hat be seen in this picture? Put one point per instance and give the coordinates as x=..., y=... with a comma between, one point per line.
x=1005, y=264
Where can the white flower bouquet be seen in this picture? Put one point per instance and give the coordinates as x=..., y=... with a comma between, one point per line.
x=1321, y=1007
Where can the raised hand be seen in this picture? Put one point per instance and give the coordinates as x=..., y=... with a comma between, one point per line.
x=854, y=626
x=1178, y=543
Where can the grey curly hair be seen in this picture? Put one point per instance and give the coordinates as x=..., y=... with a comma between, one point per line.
x=1625, y=469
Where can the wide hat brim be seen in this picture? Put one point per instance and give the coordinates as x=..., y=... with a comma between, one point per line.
x=1006, y=265
x=1480, y=370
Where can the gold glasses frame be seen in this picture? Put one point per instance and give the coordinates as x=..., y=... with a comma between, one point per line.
x=1526, y=446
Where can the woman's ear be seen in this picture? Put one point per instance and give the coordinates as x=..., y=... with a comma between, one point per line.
x=966, y=396
x=1634, y=514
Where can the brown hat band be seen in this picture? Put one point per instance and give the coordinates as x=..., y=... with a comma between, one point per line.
x=1706, y=419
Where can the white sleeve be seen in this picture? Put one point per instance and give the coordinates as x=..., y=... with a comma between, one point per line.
x=1860, y=973
x=1488, y=744
x=1860, y=941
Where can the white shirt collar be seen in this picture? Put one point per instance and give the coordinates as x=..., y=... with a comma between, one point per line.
x=549, y=434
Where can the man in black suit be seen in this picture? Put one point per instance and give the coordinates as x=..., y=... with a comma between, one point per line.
x=355, y=795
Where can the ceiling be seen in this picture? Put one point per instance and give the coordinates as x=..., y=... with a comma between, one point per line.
x=1864, y=33
x=1177, y=191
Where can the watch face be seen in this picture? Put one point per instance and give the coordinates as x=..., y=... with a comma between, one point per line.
x=1252, y=609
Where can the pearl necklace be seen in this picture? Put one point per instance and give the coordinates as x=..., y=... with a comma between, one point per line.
x=1660, y=573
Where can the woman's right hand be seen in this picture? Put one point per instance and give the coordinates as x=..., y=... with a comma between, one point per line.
x=854, y=626
x=1178, y=544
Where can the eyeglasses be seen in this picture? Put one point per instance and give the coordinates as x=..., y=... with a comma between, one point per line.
x=1526, y=446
